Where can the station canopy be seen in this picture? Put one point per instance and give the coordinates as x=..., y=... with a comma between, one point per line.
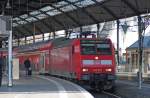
x=42, y=16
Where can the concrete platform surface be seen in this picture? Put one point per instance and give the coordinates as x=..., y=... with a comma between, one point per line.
x=42, y=87
x=130, y=89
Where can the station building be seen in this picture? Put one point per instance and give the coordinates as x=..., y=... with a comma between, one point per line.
x=132, y=56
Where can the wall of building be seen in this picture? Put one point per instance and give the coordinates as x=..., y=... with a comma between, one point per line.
x=133, y=61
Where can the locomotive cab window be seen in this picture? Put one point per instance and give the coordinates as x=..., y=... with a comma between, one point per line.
x=104, y=49
x=95, y=47
x=88, y=49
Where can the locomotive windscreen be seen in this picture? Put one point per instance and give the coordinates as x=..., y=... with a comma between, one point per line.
x=95, y=47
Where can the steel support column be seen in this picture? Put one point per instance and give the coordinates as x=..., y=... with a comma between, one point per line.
x=81, y=30
x=54, y=35
x=18, y=42
x=66, y=33
x=98, y=27
x=140, y=50
x=50, y=35
x=10, y=60
x=10, y=81
x=118, y=42
x=33, y=38
x=43, y=36
x=1, y=44
x=69, y=33
x=25, y=40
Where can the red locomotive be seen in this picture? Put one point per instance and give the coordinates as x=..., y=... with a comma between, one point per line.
x=84, y=59
x=88, y=59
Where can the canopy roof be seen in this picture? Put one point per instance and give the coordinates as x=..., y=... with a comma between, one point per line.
x=146, y=43
x=42, y=16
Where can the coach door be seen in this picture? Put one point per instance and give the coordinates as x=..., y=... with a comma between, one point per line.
x=42, y=63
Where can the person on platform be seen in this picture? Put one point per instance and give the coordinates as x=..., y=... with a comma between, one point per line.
x=27, y=66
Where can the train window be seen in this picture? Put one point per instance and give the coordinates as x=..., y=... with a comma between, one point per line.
x=104, y=49
x=88, y=48
x=99, y=47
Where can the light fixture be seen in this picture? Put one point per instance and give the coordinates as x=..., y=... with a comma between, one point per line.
x=84, y=69
x=8, y=5
x=108, y=70
x=96, y=58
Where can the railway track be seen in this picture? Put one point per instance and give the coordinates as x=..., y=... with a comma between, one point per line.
x=111, y=94
x=104, y=94
x=96, y=94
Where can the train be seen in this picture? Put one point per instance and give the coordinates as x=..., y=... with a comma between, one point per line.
x=91, y=60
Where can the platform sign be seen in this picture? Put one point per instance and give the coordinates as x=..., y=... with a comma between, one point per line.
x=2, y=27
x=5, y=26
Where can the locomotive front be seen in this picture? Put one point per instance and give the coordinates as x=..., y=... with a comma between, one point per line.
x=98, y=63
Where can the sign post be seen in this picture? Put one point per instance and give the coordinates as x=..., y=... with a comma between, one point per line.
x=10, y=59
x=6, y=31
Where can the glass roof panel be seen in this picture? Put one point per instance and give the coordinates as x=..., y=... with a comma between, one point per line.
x=41, y=16
x=16, y=19
x=35, y=12
x=31, y=19
x=47, y=8
x=68, y=8
x=53, y=12
x=22, y=22
x=60, y=4
x=84, y=3
x=24, y=16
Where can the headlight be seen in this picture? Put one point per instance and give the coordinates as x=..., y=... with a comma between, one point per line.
x=108, y=70
x=96, y=58
x=84, y=69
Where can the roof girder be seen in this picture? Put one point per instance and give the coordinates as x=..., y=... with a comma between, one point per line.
x=131, y=7
x=45, y=24
x=32, y=24
x=26, y=29
x=57, y=21
x=105, y=8
x=84, y=11
x=65, y=13
x=101, y=4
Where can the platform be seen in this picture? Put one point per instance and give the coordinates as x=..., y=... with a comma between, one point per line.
x=130, y=89
x=42, y=87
